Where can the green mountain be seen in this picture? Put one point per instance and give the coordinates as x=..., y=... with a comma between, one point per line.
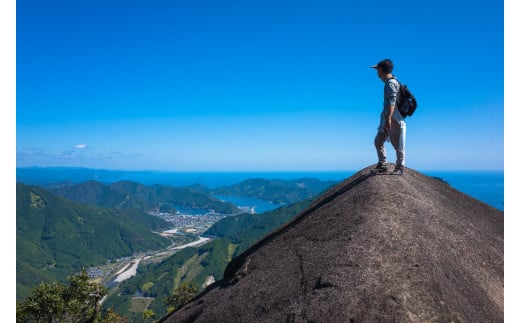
x=235, y=234
x=128, y=194
x=158, y=280
x=56, y=237
x=245, y=229
x=276, y=191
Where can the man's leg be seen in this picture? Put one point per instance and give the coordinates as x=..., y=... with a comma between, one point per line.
x=379, y=142
x=398, y=139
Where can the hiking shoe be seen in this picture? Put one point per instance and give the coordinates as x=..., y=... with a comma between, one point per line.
x=398, y=171
x=380, y=168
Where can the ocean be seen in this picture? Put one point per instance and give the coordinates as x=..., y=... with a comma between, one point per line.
x=486, y=186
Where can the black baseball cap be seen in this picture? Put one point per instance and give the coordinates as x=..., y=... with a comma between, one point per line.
x=386, y=65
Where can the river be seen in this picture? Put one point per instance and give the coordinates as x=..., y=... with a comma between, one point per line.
x=130, y=268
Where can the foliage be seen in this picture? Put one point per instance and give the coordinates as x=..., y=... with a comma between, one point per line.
x=165, y=208
x=440, y=179
x=182, y=294
x=56, y=237
x=46, y=253
x=128, y=194
x=78, y=302
x=110, y=316
x=245, y=227
x=45, y=304
x=189, y=264
x=148, y=314
x=235, y=234
x=276, y=191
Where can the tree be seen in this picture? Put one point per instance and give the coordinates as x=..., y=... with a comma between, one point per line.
x=78, y=302
x=148, y=314
x=45, y=304
x=111, y=317
x=181, y=295
x=83, y=297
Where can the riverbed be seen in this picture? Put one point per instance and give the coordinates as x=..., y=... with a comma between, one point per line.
x=130, y=269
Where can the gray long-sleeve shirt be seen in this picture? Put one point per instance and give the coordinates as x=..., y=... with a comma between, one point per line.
x=391, y=95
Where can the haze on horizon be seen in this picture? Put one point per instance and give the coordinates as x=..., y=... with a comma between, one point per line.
x=234, y=86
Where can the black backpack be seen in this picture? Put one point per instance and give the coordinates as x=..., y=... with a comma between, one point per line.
x=407, y=103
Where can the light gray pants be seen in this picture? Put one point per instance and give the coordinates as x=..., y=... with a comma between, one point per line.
x=397, y=136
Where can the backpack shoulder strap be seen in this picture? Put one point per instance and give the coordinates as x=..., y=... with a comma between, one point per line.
x=394, y=78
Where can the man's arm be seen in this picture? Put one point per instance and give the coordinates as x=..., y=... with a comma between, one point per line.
x=391, y=91
x=388, y=123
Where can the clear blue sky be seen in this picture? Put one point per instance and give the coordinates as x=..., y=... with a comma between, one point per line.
x=255, y=85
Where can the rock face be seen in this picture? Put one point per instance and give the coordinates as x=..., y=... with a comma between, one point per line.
x=375, y=248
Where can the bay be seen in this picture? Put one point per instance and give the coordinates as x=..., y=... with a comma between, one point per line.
x=250, y=205
x=486, y=186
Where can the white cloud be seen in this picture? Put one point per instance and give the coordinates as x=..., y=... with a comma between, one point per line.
x=80, y=146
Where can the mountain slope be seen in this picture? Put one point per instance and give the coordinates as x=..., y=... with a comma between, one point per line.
x=374, y=248
x=56, y=237
x=234, y=235
x=276, y=190
x=245, y=229
x=128, y=194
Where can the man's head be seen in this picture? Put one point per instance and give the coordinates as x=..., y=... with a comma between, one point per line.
x=384, y=68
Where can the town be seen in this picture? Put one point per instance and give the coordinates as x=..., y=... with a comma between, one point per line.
x=189, y=223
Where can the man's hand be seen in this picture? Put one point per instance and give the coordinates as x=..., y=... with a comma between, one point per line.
x=388, y=124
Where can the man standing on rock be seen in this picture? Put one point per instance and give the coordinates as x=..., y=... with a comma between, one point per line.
x=391, y=126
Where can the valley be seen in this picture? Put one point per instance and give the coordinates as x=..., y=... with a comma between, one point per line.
x=186, y=232
x=141, y=242
x=128, y=266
